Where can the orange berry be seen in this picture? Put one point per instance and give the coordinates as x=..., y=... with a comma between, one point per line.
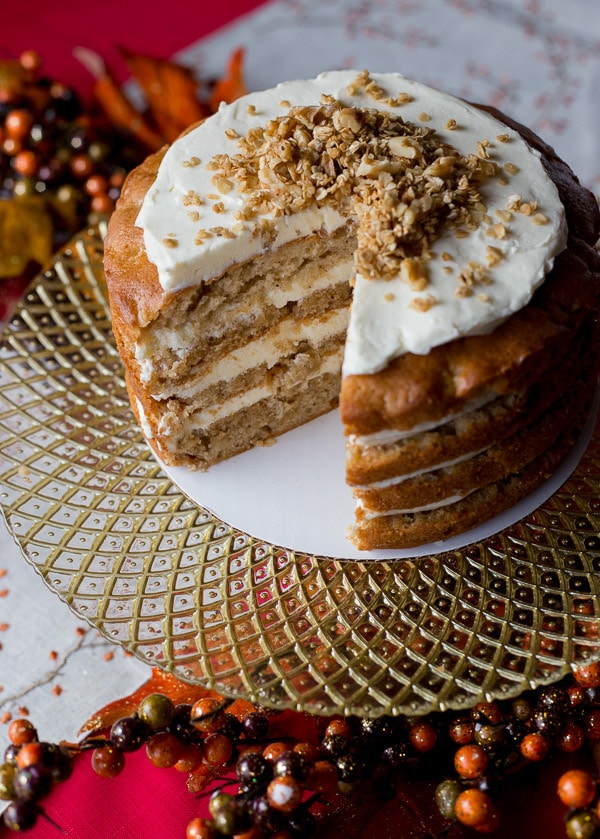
x=273, y=750
x=190, y=759
x=284, y=793
x=308, y=750
x=322, y=776
x=534, y=746
x=461, y=731
x=17, y=123
x=588, y=676
x=21, y=731
x=207, y=714
x=470, y=761
x=338, y=726
x=26, y=163
x=576, y=788
x=102, y=203
x=475, y=808
x=29, y=753
x=30, y=60
x=218, y=749
x=571, y=738
x=200, y=829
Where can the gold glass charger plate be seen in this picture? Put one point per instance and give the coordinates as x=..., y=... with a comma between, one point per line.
x=161, y=576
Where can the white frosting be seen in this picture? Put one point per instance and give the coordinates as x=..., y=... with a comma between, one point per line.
x=383, y=325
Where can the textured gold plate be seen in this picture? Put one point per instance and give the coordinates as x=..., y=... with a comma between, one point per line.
x=165, y=579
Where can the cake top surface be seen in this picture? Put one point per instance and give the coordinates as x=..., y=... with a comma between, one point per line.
x=458, y=222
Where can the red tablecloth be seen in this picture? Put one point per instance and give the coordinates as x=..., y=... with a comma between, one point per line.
x=159, y=29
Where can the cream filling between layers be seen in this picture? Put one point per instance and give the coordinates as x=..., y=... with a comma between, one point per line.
x=279, y=344
x=202, y=420
x=445, y=502
x=389, y=482
x=392, y=435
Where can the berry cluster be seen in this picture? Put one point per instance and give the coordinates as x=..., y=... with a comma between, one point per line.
x=54, y=149
x=280, y=786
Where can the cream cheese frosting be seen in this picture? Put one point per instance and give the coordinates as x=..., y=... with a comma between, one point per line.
x=522, y=226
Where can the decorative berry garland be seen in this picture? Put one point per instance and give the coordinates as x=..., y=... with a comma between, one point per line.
x=280, y=787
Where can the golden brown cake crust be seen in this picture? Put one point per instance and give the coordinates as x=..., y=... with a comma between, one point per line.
x=136, y=295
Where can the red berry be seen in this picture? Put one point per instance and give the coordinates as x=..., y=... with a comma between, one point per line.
x=534, y=746
x=576, y=788
x=571, y=737
x=422, y=736
x=217, y=749
x=108, y=761
x=164, y=749
x=461, y=731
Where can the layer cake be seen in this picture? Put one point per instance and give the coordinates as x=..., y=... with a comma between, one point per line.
x=367, y=239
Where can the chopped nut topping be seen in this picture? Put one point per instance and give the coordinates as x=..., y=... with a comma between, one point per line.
x=224, y=185
x=194, y=215
x=389, y=297
x=219, y=207
x=412, y=271
x=503, y=181
x=484, y=298
x=193, y=161
x=251, y=110
x=170, y=242
x=511, y=168
x=231, y=133
x=497, y=231
x=201, y=235
x=451, y=125
x=423, y=304
x=191, y=199
x=493, y=256
x=504, y=215
x=503, y=138
x=399, y=180
x=225, y=232
x=364, y=83
x=424, y=117
x=539, y=218
x=285, y=103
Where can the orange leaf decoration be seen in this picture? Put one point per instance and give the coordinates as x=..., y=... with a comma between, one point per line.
x=115, y=104
x=171, y=91
x=232, y=85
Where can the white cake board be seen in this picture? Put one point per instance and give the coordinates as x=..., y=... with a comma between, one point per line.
x=293, y=494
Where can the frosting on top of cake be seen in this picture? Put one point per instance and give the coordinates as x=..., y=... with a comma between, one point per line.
x=195, y=220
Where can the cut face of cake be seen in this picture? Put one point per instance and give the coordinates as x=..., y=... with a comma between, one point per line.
x=370, y=240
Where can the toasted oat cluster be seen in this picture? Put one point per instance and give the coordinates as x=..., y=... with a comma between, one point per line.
x=397, y=178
